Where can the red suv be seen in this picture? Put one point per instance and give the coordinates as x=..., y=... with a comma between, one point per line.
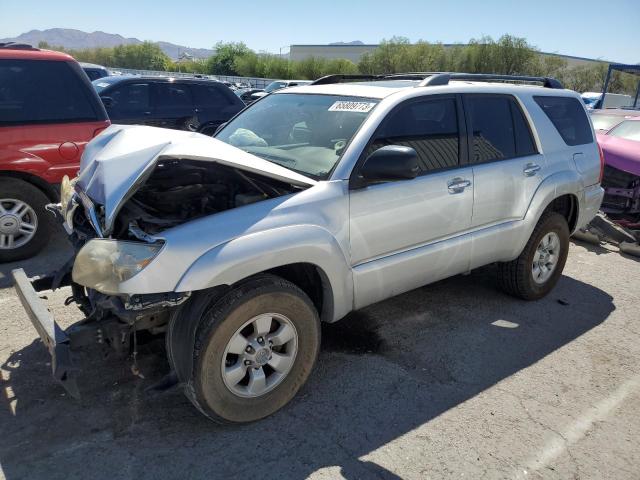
x=48, y=112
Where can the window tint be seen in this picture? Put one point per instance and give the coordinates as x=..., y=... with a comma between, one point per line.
x=39, y=91
x=429, y=127
x=171, y=95
x=499, y=128
x=524, y=140
x=210, y=96
x=492, y=128
x=568, y=116
x=130, y=98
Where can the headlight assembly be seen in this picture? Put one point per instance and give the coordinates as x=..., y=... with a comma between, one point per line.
x=103, y=264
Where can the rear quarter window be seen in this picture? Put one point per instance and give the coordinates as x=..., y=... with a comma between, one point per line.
x=568, y=116
x=212, y=96
x=43, y=91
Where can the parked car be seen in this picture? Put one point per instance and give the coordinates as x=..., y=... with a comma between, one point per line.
x=48, y=112
x=278, y=85
x=93, y=71
x=621, y=181
x=194, y=104
x=593, y=100
x=245, y=94
x=313, y=202
x=605, y=120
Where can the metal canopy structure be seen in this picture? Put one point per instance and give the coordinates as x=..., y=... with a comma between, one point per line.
x=620, y=67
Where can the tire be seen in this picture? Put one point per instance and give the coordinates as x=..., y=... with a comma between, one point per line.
x=517, y=277
x=213, y=392
x=13, y=191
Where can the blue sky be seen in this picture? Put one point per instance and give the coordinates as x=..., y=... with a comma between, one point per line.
x=586, y=28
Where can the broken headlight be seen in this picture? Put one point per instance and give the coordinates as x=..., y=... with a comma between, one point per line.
x=103, y=264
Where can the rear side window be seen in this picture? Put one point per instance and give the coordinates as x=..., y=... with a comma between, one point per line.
x=42, y=91
x=173, y=95
x=430, y=127
x=568, y=116
x=499, y=129
x=210, y=96
x=130, y=98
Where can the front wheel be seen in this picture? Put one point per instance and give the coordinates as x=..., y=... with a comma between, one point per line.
x=538, y=268
x=254, y=349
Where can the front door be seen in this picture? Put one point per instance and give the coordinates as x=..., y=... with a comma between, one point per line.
x=408, y=233
x=130, y=104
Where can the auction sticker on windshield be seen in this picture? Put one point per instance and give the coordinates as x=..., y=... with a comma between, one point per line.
x=342, y=106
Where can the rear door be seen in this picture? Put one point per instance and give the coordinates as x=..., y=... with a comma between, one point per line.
x=507, y=167
x=173, y=106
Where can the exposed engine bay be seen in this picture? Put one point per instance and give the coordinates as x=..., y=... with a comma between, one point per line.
x=178, y=191
x=618, y=221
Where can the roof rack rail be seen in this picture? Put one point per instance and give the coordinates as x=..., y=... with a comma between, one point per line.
x=340, y=78
x=432, y=79
x=17, y=46
x=443, y=79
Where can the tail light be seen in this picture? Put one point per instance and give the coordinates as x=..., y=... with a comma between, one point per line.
x=601, y=163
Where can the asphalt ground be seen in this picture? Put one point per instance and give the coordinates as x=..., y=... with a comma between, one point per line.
x=452, y=380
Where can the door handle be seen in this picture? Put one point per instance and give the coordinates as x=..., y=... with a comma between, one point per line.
x=146, y=113
x=457, y=185
x=531, y=169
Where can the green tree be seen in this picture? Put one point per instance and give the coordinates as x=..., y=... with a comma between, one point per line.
x=223, y=62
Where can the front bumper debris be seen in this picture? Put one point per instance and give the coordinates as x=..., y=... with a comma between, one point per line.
x=53, y=337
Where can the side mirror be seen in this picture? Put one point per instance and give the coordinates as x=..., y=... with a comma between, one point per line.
x=388, y=164
x=107, y=102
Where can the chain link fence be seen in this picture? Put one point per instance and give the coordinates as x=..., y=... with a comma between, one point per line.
x=254, y=82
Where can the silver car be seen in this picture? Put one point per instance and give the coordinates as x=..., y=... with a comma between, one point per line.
x=315, y=201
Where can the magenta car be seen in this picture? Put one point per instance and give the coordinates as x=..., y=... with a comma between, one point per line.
x=621, y=149
x=604, y=120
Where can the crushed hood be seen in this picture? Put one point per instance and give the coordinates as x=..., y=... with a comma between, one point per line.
x=116, y=163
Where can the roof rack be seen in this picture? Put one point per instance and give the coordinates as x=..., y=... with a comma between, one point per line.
x=431, y=79
x=17, y=46
x=443, y=79
x=339, y=78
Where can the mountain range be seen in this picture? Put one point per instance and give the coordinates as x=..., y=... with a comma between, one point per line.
x=77, y=39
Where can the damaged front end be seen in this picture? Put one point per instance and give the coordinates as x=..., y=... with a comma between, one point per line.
x=135, y=184
x=618, y=221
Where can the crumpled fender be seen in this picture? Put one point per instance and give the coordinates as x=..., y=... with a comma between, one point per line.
x=244, y=256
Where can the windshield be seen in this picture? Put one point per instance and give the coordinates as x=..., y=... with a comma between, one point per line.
x=629, y=129
x=303, y=132
x=605, y=122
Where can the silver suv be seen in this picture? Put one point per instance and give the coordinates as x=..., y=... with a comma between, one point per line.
x=313, y=202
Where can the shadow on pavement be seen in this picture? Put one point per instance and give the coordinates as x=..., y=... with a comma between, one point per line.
x=54, y=255
x=383, y=372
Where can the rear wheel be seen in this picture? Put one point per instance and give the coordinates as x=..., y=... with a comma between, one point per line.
x=538, y=268
x=25, y=225
x=254, y=348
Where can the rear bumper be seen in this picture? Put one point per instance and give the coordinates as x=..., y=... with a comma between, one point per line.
x=53, y=337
